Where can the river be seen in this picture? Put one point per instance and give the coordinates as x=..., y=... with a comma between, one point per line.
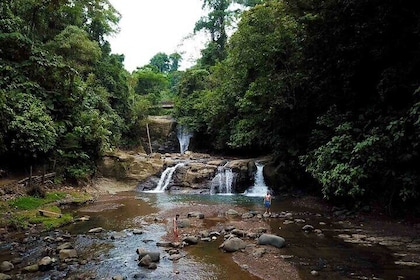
x=334, y=254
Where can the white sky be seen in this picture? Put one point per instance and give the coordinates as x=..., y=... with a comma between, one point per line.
x=148, y=27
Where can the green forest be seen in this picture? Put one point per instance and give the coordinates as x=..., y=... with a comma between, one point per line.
x=329, y=88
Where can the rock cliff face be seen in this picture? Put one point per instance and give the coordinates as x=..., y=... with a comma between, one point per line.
x=162, y=131
x=195, y=176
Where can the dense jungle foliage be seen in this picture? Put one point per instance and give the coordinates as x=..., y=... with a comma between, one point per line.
x=330, y=87
x=65, y=99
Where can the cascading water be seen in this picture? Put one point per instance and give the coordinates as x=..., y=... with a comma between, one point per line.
x=223, y=181
x=165, y=178
x=259, y=188
x=184, y=137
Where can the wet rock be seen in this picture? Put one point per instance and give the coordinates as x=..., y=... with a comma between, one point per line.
x=64, y=246
x=154, y=256
x=138, y=231
x=67, y=254
x=308, y=228
x=300, y=221
x=239, y=232
x=118, y=277
x=233, y=244
x=247, y=215
x=252, y=235
x=46, y=263
x=314, y=273
x=96, y=230
x=145, y=261
x=152, y=266
x=229, y=228
x=16, y=260
x=191, y=240
x=271, y=239
x=163, y=244
x=5, y=276
x=83, y=219
x=206, y=239
x=195, y=215
x=6, y=266
x=214, y=234
x=204, y=234
x=31, y=268
x=232, y=213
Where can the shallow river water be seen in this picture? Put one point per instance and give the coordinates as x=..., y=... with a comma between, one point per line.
x=113, y=252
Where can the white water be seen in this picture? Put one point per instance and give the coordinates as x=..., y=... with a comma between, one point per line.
x=165, y=179
x=259, y=188
x=223, y=181
x=184, y=137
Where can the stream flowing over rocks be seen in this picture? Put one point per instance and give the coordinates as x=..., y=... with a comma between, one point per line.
x=127, y=232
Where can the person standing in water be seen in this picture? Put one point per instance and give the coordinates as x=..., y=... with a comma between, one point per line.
x=175, y=226
x=267, y=203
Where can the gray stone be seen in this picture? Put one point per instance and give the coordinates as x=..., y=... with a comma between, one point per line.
x=191, y=240
x=145, y=261
x=232, y=212
x=233, y=244
x=307, y=228
x=5, y=276
x=273, y=240
x=6, y=266
x=96, y=230
x=31, y=268
x=46, y=263
x=64, y=246
x=154, y=256
x=67, y=254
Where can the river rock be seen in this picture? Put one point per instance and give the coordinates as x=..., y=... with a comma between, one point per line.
x=64, y=246
x=308, y=228
x=31, y=268
x=238, y=232
x=232, y=212
x=154, y=256
x=145, y=261
x=247, y=215
x=46, y=263
x=152, y=266
x=271, y=239
x=118, y=277
x=191, y=240
x=233, y=244
x=96, y=230
x=6, y=266
x=5, y=276
x=67, y=254
x=196, y=215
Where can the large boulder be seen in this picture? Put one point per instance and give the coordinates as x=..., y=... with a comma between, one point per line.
x=271, y=239
x=233, y=244
x=134, y=167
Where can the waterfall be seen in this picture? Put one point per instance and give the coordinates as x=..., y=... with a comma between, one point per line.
x=184, y=137
x=223, y=181
x=259, y=188
x=165, y=178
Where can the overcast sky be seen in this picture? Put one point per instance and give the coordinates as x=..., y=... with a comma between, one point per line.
x=151, y=26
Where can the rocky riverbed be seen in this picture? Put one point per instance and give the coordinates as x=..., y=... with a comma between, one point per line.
x=221, y=237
